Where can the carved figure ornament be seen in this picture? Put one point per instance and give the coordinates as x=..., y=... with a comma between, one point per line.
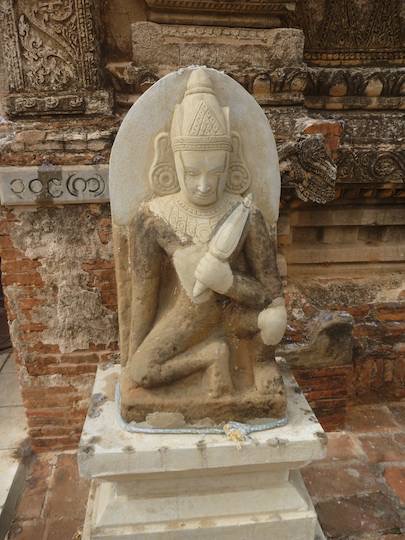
x=204, y=294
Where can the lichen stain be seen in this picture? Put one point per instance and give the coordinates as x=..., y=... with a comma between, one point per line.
x=62, y=239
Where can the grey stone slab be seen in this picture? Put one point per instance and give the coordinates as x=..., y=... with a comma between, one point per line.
x=4, y=356
x=101, y=450
x=10, y=394
x=161, y=47
x=12, y=476
x=13, y=427
x=51, y=185
x=9, y=366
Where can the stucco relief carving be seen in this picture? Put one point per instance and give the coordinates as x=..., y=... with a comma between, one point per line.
x=306, y=166
x=375, y=166
x=355, y=88
x=259, y=13
x=200, y=297
x=51, y=47
x=162, y=48
x=346, y=31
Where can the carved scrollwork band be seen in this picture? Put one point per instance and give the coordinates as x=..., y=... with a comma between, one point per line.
x=333, y=88
x=266, y=13
x=371, y=166
x=355, y=88
x=53, y=185
x=341, y=32
x=51, y=48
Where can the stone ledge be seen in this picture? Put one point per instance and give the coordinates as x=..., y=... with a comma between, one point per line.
x=113, y=452
x=52, y=185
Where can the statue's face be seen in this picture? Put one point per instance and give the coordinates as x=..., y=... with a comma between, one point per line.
x=202, y=175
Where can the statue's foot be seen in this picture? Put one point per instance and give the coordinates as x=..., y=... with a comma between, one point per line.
x=219, y=378
x=268, y=379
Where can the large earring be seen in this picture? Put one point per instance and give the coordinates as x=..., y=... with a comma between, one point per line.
x=162, y=175
x=238, y=175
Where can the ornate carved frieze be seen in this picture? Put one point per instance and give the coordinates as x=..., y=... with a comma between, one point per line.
x=52, y=49
x=306, y=166
x=306, y=169
x=371, y=165
x=130, y=81
x=27, y=104
x=248, y=13
x=354, y=88
x=353, y=32
x=282, y=86
x=50, y=185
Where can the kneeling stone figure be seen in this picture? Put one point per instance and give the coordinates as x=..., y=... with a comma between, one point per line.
x=201, y=305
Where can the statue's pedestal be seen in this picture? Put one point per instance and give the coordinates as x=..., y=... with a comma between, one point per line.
x=197, y=486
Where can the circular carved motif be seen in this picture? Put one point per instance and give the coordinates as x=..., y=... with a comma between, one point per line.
x=164, y=180
x=238, y=180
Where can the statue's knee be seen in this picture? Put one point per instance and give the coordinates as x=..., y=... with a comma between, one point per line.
x=144, y=373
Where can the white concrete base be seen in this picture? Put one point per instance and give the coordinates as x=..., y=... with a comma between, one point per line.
x=176, y=487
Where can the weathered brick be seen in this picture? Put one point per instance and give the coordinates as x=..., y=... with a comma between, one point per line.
x=395, y=478
x=391, y=312
x=371, y=418
x=336, y=480
x=384, y=448
x=370, y=513
x=343, y=446
x=23, y=279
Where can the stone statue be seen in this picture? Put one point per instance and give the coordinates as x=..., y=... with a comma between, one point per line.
x=200, y=298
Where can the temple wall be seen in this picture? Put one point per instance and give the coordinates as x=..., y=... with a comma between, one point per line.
x=342, y=224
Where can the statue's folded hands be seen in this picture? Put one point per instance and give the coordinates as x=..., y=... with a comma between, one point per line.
x=214, y=274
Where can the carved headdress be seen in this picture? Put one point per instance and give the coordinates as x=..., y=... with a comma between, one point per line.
x=199, y=123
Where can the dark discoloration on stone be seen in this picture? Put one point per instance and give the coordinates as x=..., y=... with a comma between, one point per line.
x=97, y=401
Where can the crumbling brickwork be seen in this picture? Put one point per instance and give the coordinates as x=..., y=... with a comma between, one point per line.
x=58, y=276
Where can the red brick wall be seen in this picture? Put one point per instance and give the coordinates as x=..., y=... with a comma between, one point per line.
x=56, y=381
x=377, y=304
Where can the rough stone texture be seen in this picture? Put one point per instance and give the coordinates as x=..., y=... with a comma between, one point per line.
x=161, y=47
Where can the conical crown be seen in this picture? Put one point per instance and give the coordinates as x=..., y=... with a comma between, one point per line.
x=200, y=123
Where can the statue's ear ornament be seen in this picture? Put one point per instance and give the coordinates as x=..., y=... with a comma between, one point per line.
x=162, y=175
x=239, y=177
